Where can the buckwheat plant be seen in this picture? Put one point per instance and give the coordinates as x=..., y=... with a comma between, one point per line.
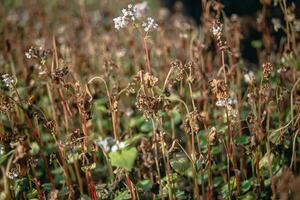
x=136, y=16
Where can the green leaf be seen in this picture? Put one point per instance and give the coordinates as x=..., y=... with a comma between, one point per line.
x=145, y=185
x=242, y=140
x=47, y=186
x=32, y=194
x=136, y=121
x=244, y=112
x=180, y=195
x=246, y=185
x=124, y=158
x=20, y=186
x=264, y=162
x=180, y=163
x=134, y=139
x=257, y=44
x=146, y=127
x=123, y=195
x=35, y=148
x=248, y=196
x=176, y=116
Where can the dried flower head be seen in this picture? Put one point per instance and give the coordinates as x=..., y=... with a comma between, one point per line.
x=38, y=54
x=192, y=122
x=216, y=29
x=212, y=135
x=178, y=68
x=148, y=80
x=6, y=104
x=60, y=73
x=267, y=70
x=219, y=89
x=151, y=105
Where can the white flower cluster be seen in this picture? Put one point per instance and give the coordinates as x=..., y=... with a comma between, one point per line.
x=249, y=77
x=134, y=13
x=149, y=24
x=8, y=80
x=141, y=9
x=123, y=20
x=13, y=173
x=110, y=145
x=29, y=54
x=216, y=28
x=226, y=102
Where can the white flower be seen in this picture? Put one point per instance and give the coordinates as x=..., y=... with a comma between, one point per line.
x=249, y=77
x=8, y=80
x=217, y=28
x=276, y=23
x=141, y=9
x=127, y=15
x=226, y=102
x=149, y=24
x=132, y=14
x=110, y=145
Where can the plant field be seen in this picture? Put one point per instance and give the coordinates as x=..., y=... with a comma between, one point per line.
x=121, y=100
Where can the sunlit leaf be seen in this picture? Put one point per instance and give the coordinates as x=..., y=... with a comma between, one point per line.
x=124, y=158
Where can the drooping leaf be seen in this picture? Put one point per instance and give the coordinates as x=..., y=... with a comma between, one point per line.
x=5, y=156
x=180, y=163
x=32, y=194
x=124, y=158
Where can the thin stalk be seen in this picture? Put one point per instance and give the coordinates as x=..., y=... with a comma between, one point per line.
x=269, y=157
x=113, y=114
x=233, y=157
x=223, y=65
x=147, y=54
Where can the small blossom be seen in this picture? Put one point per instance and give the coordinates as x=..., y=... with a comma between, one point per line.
x=110, y=145
x=226, y=102
x=249, y=77
x=149, y=24
x=120, y=22
x=140, y=9
x=13, y=173
x=9, y=81
x=127, y=15
x=133, y=13
x=118, y=146
x=217, y=28
x=276, y=24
